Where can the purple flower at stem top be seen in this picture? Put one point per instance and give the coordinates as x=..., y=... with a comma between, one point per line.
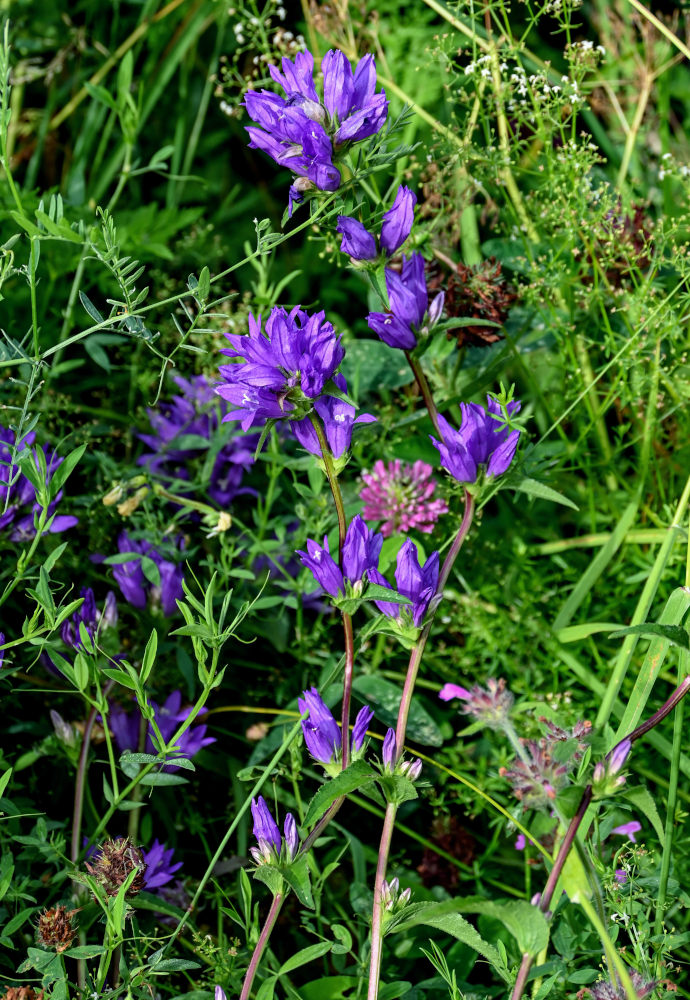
x=306, y=132
x=322, y=733
x=136, y=588
x=125, y=727
x=484, y=442
x=410, y=313
x=360, y=244
x=159, y=867
x=402, y=497
x=90, y=617
x=19, y=506
x=182, y=429
x=279, y=372
x=338, y=419
x=361, y=550
x=268, y=836
x=417, y=582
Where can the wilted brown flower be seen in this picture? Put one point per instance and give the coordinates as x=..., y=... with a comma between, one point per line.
x=55, y=929
x=113, y=863
x=453, y=839
x=475, y=293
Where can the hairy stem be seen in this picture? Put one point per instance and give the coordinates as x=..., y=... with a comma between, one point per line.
x=377, y=913
x=400, y=731
x=261, y=944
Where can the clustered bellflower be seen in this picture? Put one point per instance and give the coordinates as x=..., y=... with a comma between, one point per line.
x=338, y=419
x=89, y=616
x=322, y=733
x=306, y=133
x=182, y=429
x=131, y=580
x=270, y=849
x=279, y=372
x=419, y=583
x=360, y=244
x=361, y=550
x=18, y=505
x=410, y=313
x=484, y=442
x=402, y=496
x=125, y=728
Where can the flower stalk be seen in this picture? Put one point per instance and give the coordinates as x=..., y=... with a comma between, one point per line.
x=265, y=934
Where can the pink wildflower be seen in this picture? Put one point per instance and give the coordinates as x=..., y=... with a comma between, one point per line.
x=401, y=497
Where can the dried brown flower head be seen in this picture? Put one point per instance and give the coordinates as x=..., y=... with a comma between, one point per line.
x=113, y=863
x=453, y=839
x=55, y=928
x=475, y=293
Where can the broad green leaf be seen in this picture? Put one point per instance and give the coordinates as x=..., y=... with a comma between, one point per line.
x=85, y=951
x=353, y=777
x=297, y=877
x=384, y=696
x=444, y=917
x=306, y=955
x=574, y=879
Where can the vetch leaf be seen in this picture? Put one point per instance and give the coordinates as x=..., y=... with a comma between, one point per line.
x=675, y=634
x=306, y=955
x=536, y=489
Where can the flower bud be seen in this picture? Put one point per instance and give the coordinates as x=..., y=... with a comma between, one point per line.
x=64, y=732
x=390, y=750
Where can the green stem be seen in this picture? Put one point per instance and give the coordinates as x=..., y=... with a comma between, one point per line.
x=613, y=959
x=377, y=913
x=419, y=375
x=683, y=671
x=332, y=476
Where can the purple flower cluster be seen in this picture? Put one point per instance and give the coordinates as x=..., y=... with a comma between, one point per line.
x=131, y=580
x=125, y=728
x=322, y=733
x=305, y=133
x=360, y=244
x=268, y=836
x=279, y=372
x=419, y=583
x=90, y=617
x=402, y=497
x=361, y=550
x=18, y=504
x=484, y=442
x=182, y=429
x=338, y=419
x=410, y=312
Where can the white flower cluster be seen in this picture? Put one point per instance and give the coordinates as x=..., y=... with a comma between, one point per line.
x=526, y=91
x=671, y=168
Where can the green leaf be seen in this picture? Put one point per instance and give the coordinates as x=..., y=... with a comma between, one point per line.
x=385, y=698
x=306, y=955
x=149, y=657
x=375, y=592
x=676, y=635
x=271, y=876
x=267, y=988
x=536, y=489
x=574, y=878
x=90, y=308
x=204, y=287
x=642, y=799
x=444, y=917
x=353, y=777
x=575, y=633
x=86, y=951
x=525, y=922
x=163, y=778
x=4, y=781
x=296, y=875
x=175, y=965
x=378, y=283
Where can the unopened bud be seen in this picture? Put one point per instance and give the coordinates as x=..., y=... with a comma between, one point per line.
x=411, y=768
x=64, y=732
x=389, y=751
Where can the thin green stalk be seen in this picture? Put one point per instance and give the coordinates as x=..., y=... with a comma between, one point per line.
x=670, y=824
x=640, y=615
x=613, y=959
x=419, y=375
x=377, y=913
